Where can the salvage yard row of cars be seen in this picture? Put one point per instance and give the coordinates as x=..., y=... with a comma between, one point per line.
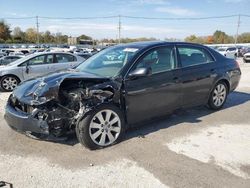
x=117, y=88
x=17, y=65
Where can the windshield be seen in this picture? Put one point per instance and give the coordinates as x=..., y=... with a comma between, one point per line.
x=221, y=49
x=108, y=62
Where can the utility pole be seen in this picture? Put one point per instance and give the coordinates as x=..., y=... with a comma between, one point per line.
x=237, y=31
x=37, y=30
x=119, y=29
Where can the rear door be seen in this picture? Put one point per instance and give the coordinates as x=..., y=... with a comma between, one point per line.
x=157, y=94
x=197, y=74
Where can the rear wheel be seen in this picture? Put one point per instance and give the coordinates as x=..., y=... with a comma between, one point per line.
x=9, y=83
x=101, y=127
x=218, y=96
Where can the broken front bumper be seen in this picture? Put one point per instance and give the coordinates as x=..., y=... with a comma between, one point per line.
x=25, y=122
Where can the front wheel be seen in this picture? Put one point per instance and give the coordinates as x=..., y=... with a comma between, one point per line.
x=100, y=128
x=218, y=96
x=9, y=83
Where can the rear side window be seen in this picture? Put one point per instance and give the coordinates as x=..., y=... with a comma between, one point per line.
x=190, y=56
x=64, y=58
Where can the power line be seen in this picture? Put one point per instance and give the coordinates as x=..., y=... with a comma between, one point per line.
x=179, y=18
x=130, y=17
x=78, y=18
x=17, y=18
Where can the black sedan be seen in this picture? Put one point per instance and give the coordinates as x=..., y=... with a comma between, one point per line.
x=119, y=87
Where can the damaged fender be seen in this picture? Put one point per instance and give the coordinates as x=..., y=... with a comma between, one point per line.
x=61, y=100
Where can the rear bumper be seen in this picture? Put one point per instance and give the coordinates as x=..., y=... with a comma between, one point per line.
x=24, y=122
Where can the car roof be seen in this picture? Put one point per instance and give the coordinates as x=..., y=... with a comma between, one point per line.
x=147, y=44
x=19, y=61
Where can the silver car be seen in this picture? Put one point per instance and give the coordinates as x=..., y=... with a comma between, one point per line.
x=36, y=65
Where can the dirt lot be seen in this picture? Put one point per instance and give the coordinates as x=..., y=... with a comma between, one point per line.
x=191, y=148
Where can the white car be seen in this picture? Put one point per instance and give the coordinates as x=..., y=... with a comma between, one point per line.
x=35, y=65
x=229, y=52
x=246, y=56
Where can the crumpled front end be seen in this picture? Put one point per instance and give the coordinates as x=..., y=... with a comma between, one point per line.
x=48, y=109
x=24, y=118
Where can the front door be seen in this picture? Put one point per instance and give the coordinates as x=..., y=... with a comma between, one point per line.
x=37, y=66
x=155, y=95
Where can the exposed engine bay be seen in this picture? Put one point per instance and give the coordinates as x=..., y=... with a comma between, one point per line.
x=75, y=97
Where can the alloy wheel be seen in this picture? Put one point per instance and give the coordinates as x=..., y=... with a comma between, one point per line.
x=105, y=127
x=219, y=95
x=9, y=83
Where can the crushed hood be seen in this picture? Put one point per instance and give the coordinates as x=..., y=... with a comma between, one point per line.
x=43, y=89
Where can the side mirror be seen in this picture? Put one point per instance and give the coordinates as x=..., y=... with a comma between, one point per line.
x=140, y=72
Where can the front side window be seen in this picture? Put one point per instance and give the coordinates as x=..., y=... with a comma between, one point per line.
x=159, y=60
x=190, y=56
x=37, y=60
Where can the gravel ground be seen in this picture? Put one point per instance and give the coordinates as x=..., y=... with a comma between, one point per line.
x=191, y=148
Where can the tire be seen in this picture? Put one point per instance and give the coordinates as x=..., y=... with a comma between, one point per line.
x=9, y=83
x=94, y=133
x=218, y=96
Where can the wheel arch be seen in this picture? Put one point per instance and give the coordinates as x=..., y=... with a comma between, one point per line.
x=13, y=75
x=223, y=79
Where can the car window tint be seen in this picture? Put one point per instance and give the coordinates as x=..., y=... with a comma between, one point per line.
x=193, y=56
x=64, y=58
x=50, y=58
x=160, y=60
x=37, y=60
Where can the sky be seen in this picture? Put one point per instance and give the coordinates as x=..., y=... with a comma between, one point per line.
x=133, y=28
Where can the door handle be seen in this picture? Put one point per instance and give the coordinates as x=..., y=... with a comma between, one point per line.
x=213, y=70
x=213, y=73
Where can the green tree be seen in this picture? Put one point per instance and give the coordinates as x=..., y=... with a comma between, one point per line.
x=244, y=38
x=195, y=39
x=47, y=37
x=4, y=31
x=18, y=35
x=31, y=35
x=221, y=37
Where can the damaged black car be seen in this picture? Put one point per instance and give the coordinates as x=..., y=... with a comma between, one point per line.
x=120, y=87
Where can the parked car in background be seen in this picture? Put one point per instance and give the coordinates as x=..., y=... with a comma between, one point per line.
x=246, y=49
x=85, y=56
x=246, y=56
x=8, y=59
x=16, y=54
x=229, y=52
x=36, y=65
x=104, y=96
x=2, y=54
